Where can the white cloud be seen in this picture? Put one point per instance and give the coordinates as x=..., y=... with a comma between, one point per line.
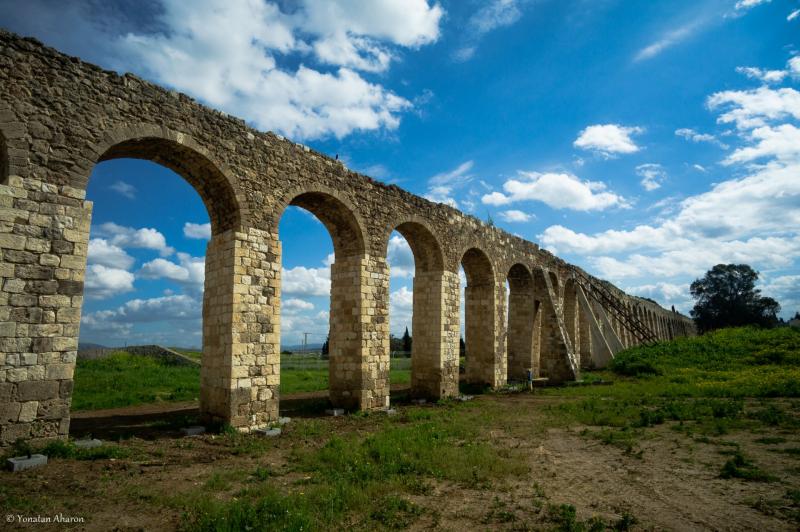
x=302, y=281
x=652, y=175
x=295, y=304
x=781, y=143
x=457, y=175
x=189, y=272
x=102, y=282
x=668, y=39
x=765, y=76
x=226, y=53
x=491, y=15
x=401, y=304
x=400, y=257
x=608, y=139
x=442, y=194
x=749, y=4
x=128, y=237
x=785, y=289
x=175, y=308
x=197, y=231
x=694, y=136
x=102, y=252
x=125, y=189
x=793, y=15
x=750, y=109
x=559, y=191
x=666, y=293
x=515, y=216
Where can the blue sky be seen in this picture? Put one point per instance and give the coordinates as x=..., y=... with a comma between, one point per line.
x=643, y=141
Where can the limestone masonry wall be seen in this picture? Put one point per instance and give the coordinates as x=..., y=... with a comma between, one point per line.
x=60, y=116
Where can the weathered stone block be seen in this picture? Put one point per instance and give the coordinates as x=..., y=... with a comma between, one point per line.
x=37, y=390
x=21, y=463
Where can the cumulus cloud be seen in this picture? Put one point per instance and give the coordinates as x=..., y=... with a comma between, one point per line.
x=401, y=304
x=173, y=309
x=107, y=254
x=400, y=257
x=442, y=194
x=129, y=237
x=231, y=61
x=302, y=281
x=124, y=189
x=694, y=136
x=294, y=304
x=515, y=216
x=765, y=76
x=197, y=231
x=749, y=109
x=293, y=67
x=102, y=282
x=793, y=15
x=652, y=175
x=751, y=218
x=608, y=139
x=189, y=272
x=558, y=190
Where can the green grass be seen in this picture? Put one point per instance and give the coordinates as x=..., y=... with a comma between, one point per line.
x=711, y=385
x=123, y=379
x=364, y=481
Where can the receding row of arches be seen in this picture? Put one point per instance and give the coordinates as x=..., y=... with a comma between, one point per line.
x=240, y=371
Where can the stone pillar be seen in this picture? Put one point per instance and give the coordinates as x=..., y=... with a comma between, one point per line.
x=44, y=234
x=240, y=371
x=554, y=360
x=520, y=337
x=584, y=335
x=359, y=341
x=480, y=331
x=434, y=359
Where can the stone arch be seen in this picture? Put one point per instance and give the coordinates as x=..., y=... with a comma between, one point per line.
x=434, y=356
x=4, y=159
x=549, y=349
x=521, y=319
x=570, y=312
x=554, y=282
x=213, y=181
x=480, y=316
x=346, y=348
x=221, y=395
x=336, y=212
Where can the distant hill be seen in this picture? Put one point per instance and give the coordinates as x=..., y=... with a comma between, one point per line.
x=90, y=345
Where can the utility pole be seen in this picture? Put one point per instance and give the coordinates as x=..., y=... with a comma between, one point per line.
x=305, y=342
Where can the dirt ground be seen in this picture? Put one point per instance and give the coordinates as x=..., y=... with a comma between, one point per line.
x=670, y=483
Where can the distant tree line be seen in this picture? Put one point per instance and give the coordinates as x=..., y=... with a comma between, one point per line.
x=727, y=297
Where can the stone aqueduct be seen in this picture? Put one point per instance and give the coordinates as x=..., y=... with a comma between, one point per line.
x=60, y=116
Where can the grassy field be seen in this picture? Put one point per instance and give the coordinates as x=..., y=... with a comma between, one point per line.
x=127, y=380
x=695, y=433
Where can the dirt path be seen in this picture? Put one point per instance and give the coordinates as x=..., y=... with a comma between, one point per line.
x=671, y=483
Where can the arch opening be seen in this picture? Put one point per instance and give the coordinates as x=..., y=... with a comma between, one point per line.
x=343, y=269
x=521, y=318
x=150, y=279
x=430, y=375
x=214, y=187
x=479, y=320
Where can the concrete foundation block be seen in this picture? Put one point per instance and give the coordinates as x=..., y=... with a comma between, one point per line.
x=21, y=463
x=195, y=430
x=419, y=401
x=335, y=411
x=269, y=433
x=87, y=444
x=284, y=420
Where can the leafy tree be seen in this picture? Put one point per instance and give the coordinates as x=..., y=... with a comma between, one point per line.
x=462, y=347
x=326, y=347
x=406, y=341
x=726, y=297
